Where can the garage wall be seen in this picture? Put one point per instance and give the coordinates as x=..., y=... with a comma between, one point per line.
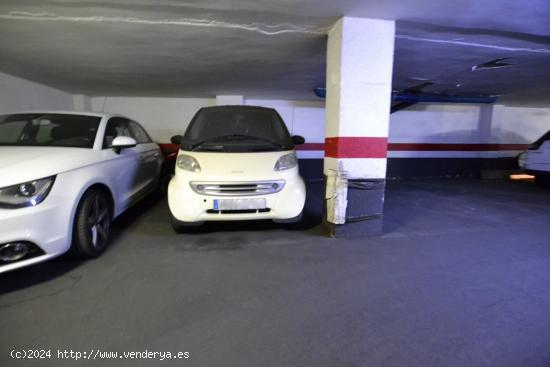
x=165, y=117
x=461, y=140
x=430, y=140
x=162, y=117
x=18, y=94
x=425, y=140
x=456, y=126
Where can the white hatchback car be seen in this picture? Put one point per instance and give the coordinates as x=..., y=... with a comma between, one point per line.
x=537, y=160
x=64, y=177
x=236, y=163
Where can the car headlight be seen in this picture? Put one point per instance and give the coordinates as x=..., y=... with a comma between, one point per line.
x=26, y=194
x=188, y=163
x=286, y=161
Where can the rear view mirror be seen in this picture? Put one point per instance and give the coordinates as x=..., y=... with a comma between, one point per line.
x=297, y=140
x=123, y=142
x=176, y=139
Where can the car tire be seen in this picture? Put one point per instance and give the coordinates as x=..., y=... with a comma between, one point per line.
x=182, y=227
x=92, y=224
x=163, y=181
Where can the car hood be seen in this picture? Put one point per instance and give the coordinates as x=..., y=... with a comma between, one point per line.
x=236, y=166
x=22, y=164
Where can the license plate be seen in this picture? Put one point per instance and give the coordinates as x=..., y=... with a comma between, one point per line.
x=239, y=204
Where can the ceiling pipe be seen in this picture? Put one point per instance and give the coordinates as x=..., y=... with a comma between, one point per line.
x=402, y=100
x=409, y=97
x=442, y=98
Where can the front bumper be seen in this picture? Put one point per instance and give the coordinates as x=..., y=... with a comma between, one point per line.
x=45, y=225
x=186, y=205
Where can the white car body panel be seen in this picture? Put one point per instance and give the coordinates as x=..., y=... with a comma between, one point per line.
x=129, y=176
x=539, y=160
x=187, y=205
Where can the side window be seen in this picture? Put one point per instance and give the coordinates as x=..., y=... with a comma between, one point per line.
x=45, y=133
x=116, y=126
x=11, y=131
x=537, y=144
x=139, y=132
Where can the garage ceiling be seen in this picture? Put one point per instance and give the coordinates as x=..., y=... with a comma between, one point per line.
x=266, y=48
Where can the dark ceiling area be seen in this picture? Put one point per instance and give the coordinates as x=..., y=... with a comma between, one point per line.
x=270, y=49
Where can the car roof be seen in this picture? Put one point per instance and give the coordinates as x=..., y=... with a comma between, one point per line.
x=248, y=107
x=79, y=113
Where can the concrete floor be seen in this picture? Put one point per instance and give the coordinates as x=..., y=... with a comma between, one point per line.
x=461, y=277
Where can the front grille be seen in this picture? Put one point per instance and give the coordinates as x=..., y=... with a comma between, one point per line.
x=238, y=188
x=243, y=211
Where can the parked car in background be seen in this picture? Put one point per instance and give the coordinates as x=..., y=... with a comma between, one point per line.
x=236, y=163
x=170, y=153
x=537, y=160
x=64, y=177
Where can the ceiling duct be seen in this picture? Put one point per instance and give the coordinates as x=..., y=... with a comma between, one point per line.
x=493, y=64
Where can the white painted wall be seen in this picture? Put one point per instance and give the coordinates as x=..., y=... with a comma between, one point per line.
x=165, y=117
x=82, y=102
x=467, y=124
x=422, y=123
x=519, y=124
x=161, y=117
x=18, y=94
x=462, y=123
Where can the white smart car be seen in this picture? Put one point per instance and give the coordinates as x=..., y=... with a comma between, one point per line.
x=236, y=163
x=63, y=177
x=537, y=160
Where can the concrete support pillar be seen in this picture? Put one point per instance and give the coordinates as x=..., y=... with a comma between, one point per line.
x=227, y=100
x=82, y=102
x=359, y=79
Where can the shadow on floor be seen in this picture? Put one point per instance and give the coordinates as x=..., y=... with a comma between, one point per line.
x=43, y=272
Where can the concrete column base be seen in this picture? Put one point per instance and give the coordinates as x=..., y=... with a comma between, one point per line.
x=364, y=212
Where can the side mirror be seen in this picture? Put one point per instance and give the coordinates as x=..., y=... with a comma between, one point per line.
x=297, y=140
x=176, y=139
x=123, y=142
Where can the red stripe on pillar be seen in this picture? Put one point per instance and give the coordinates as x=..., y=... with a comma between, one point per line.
x=356, y=147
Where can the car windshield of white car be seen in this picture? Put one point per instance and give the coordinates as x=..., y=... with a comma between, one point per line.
x=536, y=145
x=56, y=130
x=237, y=129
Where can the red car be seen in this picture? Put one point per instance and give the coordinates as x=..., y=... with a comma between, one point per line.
x=170, y=152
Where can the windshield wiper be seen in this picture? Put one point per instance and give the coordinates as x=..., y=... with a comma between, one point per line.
x=198, y=144
x=265, y=139
x=235, y=137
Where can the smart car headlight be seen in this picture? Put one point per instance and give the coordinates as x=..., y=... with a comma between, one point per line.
x=286, y=161
x=29, y=193
x=188, y=163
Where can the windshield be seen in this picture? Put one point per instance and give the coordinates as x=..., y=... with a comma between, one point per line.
x=536, y=145
x=237, y=129
x=56, y=130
